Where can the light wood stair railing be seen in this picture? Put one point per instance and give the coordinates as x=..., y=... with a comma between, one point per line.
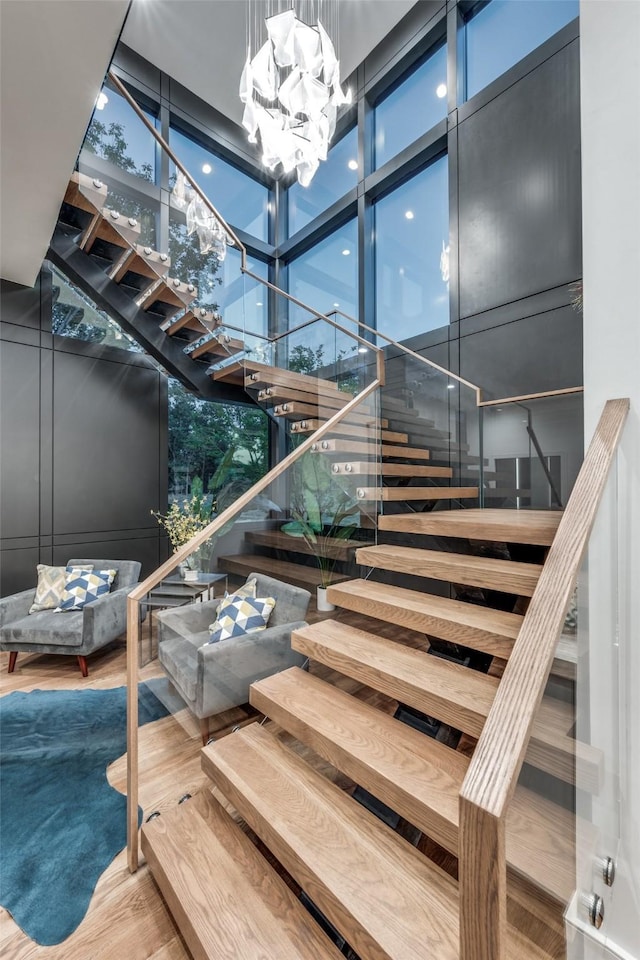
x=492, y=775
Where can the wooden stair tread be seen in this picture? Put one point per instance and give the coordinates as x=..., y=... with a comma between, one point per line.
x=349, y=430
x=217, y=347
x=511, y=526
x=295, y=410
x=329, y=398
x=414, y=774
x=332, y=547
x=454, y=694
x=384, y=897
x=507, y=576
x=355, y=468
x=386, y=450
x=282, y=569
x=83, y=193
x=262, y=375
x=400, y=494
x=234, y=372
x=226, y=898
x=468, y=624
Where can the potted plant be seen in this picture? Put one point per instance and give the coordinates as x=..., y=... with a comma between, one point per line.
x=321, y=513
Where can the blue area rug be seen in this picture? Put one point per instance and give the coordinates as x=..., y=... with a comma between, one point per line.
x=61, y=823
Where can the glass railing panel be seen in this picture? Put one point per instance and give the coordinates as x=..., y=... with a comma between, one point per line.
x=434, y=418
x=302, y=529
x=533, y=450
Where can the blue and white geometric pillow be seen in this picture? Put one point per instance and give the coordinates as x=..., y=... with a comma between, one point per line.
x=51, y=581
x=83, y=588
x=239, y=616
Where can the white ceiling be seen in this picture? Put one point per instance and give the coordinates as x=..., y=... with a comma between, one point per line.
x=54, y=55
x=203, y=43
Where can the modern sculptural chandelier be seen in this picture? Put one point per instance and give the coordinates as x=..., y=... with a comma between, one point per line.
x=291, y=92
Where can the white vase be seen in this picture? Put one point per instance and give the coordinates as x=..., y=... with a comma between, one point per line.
x=191, y=575
x=321, y=600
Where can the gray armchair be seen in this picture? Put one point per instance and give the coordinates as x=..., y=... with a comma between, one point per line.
x=212, y=677
x=74, y=633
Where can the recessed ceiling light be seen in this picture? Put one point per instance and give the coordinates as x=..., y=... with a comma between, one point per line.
x=441, y=90
x=336, y=304
x=353, y=164
x=409, y=214
x=206, y=168
x=451, y=386
x=102, y=100
x=362, y=350
x=345, y=253
x=258, y=303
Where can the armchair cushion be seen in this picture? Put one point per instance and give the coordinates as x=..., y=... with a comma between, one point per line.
x=51, y=581
x=82, y=588
x=242, y=615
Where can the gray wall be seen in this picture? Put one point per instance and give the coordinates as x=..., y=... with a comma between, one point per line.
x=83, y=441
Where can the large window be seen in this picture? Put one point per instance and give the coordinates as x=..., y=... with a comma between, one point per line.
x=504, y=32
x=326, y=276
x=242, y=201
x=411, y=245
x=337, y=175
x=415, y=106
x=75, y=315
x=116, y=134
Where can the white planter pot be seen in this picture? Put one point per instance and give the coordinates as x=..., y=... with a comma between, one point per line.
x=321, y=600
x=191, y=575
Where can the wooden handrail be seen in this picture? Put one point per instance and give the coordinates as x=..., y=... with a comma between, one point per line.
x=137, y=595
x=532, y=396
x=495, y=766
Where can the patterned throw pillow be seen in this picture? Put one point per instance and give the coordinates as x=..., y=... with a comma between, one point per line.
x=247, y=589
x=51, y=585
x=83, y=588
x=240, y=616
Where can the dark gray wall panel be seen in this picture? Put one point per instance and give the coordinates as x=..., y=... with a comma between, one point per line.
x=534, y=354
x=20, y=305
x=519, y=188
x=18, y=569
x=144, y=549
x=105, y=445
x=20, y=436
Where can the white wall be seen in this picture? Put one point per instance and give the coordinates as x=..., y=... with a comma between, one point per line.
x=610, y=97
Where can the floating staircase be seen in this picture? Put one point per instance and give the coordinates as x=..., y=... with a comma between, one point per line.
x=333, y=728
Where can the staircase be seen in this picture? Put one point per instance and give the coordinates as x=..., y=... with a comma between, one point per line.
x=332, y=734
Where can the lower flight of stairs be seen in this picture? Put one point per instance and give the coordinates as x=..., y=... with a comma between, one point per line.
x=335, y=735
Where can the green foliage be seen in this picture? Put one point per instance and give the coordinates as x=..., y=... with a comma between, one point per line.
x=219, y=443
x=107, y=141
x=321, y=510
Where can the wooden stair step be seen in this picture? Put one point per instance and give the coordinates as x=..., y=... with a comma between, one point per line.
x=226, y=898
x=454, y=694
x=218, y=346
x=169, y=291
x=507, y=576
x=195, y=322
x=510, y=526
x=286, y=570
x=467, y=624
x=359, y=467
x=400, y=494
x=86, y=193
x=110, y=230
x=141, y=262
x=414, y=774
x=332, y=547
x=295, y=410
x=328, y=398
x=262, y=376
x=331, y=446
x=385, y=898
x=299, y=427
x=439, y=689
x=234, y=372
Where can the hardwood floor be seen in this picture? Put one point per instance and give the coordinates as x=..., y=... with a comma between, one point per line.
x=127, y=917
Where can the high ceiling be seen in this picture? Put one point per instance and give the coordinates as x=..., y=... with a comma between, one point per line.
x=203, y=43
x=54, y=55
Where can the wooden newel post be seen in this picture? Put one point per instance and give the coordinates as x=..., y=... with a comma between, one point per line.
x=133, y=639
x=482, y=872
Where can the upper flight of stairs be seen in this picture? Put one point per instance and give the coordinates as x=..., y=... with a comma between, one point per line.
x=336, y=734
x=100, y=250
